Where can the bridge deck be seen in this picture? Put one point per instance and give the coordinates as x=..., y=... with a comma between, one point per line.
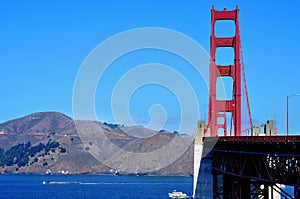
x=255, y=138
x=280, y=145
x=252, y=160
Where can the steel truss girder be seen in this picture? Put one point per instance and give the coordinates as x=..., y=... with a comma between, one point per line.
x=248, y=164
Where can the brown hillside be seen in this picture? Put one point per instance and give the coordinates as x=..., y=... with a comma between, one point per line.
x=43, y=127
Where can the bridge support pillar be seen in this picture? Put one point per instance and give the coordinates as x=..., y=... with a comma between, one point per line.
x=227, y=187
x=203, y=180
x=245, y=188
x=198, y=148
x=215, y=185
x=296, y=192
x=265, y=191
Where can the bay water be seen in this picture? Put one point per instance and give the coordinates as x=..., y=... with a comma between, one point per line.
x=92, y=186
x=95, y=186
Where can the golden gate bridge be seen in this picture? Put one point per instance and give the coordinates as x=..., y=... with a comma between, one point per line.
x=232, y=159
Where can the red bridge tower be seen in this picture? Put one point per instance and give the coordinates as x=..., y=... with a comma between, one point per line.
x=219, y=108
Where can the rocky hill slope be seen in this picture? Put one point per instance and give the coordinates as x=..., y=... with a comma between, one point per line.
x=78, y=150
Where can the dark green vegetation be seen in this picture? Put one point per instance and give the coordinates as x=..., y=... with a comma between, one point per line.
x=20, y=154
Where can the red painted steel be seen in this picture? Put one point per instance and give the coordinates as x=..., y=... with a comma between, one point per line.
x=218, y=108
x=292, y=139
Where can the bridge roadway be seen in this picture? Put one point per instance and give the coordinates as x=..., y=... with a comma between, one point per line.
x=253, y=166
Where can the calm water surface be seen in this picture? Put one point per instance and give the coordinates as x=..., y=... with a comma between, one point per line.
x=92, y=186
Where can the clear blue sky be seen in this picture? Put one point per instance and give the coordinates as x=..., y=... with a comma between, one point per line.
x=42, y=46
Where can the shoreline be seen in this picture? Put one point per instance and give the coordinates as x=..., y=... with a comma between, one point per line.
x=92, y=174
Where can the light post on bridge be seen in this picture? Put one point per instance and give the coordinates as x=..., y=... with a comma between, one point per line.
x=287, y=111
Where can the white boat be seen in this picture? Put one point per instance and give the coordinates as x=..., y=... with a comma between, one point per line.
x=177, y=194
x=58, y=182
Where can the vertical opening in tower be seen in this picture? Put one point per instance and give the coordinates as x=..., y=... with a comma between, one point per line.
x=225, y=28
x=224, y=56
x=224, y=88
